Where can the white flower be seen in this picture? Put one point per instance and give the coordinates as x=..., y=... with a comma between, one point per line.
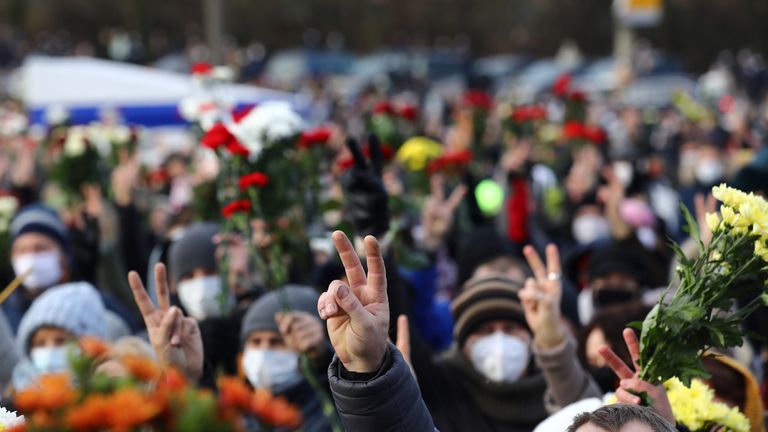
x=8, y=206
x=121, y=134
x=75, y=143
x=9, y=419
x=56, y=115
x=265, y=124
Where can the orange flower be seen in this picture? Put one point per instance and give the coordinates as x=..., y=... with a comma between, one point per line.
x=141, y=368
x=129, y=408
x=51, y=392
x=274, y=411
x=234, y=393
x=172, y=380
x=93, y=347
x=91, y=414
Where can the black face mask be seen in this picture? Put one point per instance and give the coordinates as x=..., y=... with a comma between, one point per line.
x=612, y=296
x=605, y=378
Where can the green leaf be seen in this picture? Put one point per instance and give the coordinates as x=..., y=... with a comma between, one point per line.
x=691, y=227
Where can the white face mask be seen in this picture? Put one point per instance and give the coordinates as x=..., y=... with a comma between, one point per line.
x=46, y=269
x=273, y=370
x=709, y=172
x=500, y=357
x=590, y=227
x=50, y=359
x=201, y=297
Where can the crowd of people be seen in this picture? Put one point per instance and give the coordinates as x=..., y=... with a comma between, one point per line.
x=456, y=322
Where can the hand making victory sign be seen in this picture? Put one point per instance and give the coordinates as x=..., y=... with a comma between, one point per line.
x=175, y=338
x=358, y=313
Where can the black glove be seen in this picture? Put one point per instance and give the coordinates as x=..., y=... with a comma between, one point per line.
x=366, y=199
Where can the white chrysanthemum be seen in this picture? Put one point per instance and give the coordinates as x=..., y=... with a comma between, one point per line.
x=9, y=419
x=75, y=142
x=265, y=124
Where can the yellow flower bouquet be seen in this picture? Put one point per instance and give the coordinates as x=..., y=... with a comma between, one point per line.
x=703, y=313
x=695, y=407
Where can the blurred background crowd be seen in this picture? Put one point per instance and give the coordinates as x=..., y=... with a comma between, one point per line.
x=501, y=123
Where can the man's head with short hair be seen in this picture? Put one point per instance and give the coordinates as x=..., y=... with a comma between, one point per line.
x=621, y=418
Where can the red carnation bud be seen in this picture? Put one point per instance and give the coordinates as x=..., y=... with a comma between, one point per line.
x=255, y=179
x=577, y=96
x=311, y=138
x=216, y=137
x=594, y=134
x=573, y=130
x=202, y=68
x=409, y=112
x=238, y=206
x=478, y=99
x=562, y=85
x=383, y=107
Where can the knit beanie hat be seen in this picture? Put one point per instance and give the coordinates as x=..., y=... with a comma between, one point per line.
x=37, y=218
x=485, y=299
x=753, y=404
x=75, y=307
x=195, y=248
x=261, y=314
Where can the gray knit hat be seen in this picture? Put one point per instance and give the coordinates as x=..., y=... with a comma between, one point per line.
x=194, y=249
x=261, y=314
x=40, y=219
x=75, y=307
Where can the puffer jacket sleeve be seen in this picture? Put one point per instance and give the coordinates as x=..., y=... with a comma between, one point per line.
x=390, y=401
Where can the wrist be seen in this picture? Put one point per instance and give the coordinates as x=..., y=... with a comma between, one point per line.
x=370, y=364
x=549, y=338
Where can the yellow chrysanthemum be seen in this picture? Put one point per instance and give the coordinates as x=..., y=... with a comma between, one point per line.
x=696, y=408
x=417, y=151
x=713, y=221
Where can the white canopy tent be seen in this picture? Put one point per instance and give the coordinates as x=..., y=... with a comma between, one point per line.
x=142, y=95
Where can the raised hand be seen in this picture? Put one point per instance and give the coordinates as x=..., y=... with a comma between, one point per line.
x=358, y=313
x=175, y=338
x=541, y=298
x=438, y=212
x=631, y=385
x=366, y=198
x=302, y=332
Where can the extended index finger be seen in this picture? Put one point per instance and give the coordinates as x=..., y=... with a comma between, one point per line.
x=349, y=259
x=615, y=363
x=140, y=294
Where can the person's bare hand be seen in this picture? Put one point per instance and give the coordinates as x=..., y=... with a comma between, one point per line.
x=541, y=298
x=175, y=338
x=357, y=313
x=631, y=385
x=302, y=332
x=438, y=212
x=704, y=205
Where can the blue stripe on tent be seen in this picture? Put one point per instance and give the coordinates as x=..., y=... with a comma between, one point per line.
x=143, y=115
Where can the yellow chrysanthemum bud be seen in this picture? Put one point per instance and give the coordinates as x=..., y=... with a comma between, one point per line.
x=713, y=221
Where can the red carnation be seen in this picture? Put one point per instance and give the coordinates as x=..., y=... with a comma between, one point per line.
x=577, y=96
x=216, y=137
x=529, y=113
x=478, y=99
x=314, y=137
x=409, y=112
x=573, y=130
x=562, y=85
x=254, y=179
x=453, y=161
x=383, y=107
x=387, y=152
x=594, y=134
x=202, y=68
x=239, y=206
